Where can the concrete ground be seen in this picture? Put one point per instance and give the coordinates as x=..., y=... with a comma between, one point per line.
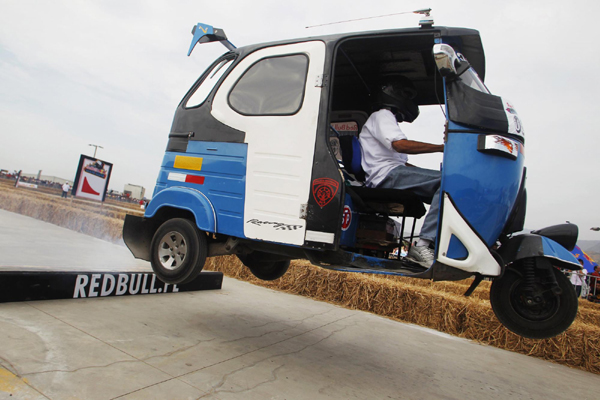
x=240, y=342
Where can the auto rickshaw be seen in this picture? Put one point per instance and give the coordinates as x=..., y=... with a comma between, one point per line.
x=263, y=162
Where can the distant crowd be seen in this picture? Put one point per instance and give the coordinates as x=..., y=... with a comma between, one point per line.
x=587, y=285
x=39, y=182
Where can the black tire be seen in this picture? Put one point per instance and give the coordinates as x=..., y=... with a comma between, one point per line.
x=263, y=266
x=178, y=251
x=513, y=305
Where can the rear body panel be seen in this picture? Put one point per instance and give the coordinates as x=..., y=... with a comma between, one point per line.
x=218, y=170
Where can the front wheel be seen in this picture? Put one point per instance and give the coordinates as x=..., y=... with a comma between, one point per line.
x=529, y=302
x=178, y=251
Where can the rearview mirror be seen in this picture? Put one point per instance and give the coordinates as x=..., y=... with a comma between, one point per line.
x=449, y=63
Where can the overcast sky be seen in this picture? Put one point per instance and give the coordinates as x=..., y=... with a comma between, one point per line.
x=111, y=73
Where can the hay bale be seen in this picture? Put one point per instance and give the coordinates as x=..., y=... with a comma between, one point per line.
x=63, y=214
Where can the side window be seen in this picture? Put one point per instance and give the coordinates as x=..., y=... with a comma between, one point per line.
x=271, y=86
x=208, y=84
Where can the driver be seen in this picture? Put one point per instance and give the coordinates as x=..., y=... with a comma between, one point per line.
x=385, y=150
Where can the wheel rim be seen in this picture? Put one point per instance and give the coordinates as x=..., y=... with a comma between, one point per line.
x=172, y=250
x=534, y=305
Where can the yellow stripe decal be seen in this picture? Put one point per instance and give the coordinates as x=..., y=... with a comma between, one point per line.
x=183, y=162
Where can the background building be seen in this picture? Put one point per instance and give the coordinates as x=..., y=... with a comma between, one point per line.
x=134, y=191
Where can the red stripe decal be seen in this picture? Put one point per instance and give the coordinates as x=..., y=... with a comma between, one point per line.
x=195, y=179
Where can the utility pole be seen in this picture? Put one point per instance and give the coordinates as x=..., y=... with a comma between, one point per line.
x=95, y=148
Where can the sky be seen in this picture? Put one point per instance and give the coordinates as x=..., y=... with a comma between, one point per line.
x=111, y=73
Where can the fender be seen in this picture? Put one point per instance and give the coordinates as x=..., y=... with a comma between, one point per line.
x=532, y=245
x=186, y=199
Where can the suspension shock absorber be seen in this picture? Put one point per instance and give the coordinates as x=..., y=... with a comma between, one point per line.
x=529, y=273
x=545, y=267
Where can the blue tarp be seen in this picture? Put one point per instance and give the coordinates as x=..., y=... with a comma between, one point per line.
x=588, y=263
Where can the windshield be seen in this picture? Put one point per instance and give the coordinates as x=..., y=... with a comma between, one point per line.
x=471, y=79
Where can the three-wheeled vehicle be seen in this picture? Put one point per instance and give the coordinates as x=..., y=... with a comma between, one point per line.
x=263, y=162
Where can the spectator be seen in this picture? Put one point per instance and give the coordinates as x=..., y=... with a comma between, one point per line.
x=65, y=190
x=594, y=284
x=577, y=278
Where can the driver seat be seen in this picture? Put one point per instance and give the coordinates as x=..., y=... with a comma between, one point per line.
x=389, y=202
x=392, y=202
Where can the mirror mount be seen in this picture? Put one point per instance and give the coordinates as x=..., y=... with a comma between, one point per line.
x=206, y=33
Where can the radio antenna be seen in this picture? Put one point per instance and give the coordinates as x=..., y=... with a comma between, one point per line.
x=426, y=12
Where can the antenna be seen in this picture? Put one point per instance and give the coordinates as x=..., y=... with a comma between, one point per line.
x=425, y=11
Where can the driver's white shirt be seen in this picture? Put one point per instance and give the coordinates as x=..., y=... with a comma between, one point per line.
x=376, y=138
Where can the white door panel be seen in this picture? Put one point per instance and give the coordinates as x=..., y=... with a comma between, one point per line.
x=280, y=151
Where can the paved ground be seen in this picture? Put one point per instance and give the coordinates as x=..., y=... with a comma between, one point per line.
x=241, y=342
x=30, y=244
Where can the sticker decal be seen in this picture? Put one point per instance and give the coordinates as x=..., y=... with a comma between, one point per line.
x=346, y=218
x=96, y=168
x=187, y=178
x=500, y=145
x=324, y=190
x=346, y=128
x=510, y=147
x=278, y=226
x=186, y=162
x=510, y=108
x=515, y=126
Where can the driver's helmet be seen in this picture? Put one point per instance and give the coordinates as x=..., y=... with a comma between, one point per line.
x=398, y=94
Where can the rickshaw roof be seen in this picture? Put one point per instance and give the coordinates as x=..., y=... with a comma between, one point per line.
x=463, y=40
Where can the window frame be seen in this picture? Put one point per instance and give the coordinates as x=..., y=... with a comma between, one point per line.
x=306, y=56
x=226, y=59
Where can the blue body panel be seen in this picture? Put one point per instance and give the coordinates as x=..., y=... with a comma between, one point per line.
x=185, y=199
x=483, y=186
x=224, y=172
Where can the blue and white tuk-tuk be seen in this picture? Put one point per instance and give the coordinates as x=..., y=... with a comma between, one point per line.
x=262, y=162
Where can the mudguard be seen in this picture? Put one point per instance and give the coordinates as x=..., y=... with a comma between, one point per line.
x=532, y=245
x=138, y=233
x=186, y=199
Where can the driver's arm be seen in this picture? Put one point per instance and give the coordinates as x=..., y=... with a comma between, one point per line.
x=413, y=147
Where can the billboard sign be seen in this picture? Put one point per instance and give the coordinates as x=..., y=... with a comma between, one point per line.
x=92, y=178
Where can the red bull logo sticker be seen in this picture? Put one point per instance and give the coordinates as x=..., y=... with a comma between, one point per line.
x=346, y=128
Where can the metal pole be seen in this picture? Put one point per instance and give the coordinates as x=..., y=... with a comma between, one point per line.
x=95, y=148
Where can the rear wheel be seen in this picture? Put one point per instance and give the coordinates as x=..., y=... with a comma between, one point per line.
x=265, y=266
x=532, y=302
x=178, y=251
